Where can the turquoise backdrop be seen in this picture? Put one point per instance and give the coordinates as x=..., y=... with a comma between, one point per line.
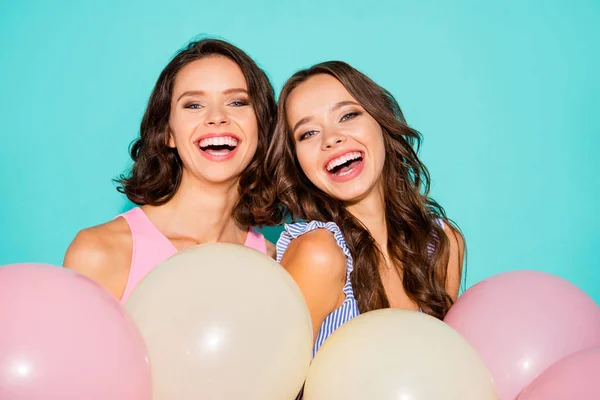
x=506, y=94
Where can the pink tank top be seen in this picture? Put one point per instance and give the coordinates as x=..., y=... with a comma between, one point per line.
x=151, y=247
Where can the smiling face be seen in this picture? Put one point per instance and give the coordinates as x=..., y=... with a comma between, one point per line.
x=212, y=123
x=339, y=145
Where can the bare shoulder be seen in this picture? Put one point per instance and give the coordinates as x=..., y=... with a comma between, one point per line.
x=103, y=253
x=456, y=239
x=454, y=273
x=318, y=265
x=316, y=252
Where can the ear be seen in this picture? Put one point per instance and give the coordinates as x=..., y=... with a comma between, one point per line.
x=169, y=138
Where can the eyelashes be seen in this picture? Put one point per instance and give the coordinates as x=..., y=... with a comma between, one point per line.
x=306, y=134
x=240, y=103
x=235, y=103
x=349, y=116
x=346, y=117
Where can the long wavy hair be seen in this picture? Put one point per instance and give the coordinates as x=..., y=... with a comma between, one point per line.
x=418, y=247
x=157, y=168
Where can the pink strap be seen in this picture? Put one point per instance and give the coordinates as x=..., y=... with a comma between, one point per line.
x=150, y=248
x=256, y=240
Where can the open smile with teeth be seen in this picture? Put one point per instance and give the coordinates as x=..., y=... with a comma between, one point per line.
x=345, y=164
x=218, y=146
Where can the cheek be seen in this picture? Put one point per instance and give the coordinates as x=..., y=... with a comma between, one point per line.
x=308, y=162
x=251, y=134
x=181, y=123
x=248, y=125
x=248, y=122
x=380, y=154
x=373, y=139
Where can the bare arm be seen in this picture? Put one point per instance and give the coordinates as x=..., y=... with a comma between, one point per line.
x=455, y=262
x=318, y=266
x=102, y=255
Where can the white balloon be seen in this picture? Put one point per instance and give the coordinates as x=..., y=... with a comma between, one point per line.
x=397, y=355
x=223, y=321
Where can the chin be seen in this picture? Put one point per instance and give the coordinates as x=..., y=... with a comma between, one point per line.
x=220, y=177
x=349, y=196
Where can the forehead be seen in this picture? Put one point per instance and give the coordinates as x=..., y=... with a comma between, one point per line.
x=315, y=95
x=211, y=73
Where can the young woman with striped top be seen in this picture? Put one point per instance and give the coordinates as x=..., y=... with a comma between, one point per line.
x=345, y=162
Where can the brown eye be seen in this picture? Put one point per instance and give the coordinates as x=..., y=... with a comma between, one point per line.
x=239, y=103
x=350, y=115
x=307, y=134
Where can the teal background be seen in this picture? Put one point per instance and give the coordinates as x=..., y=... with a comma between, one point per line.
x=506, y=94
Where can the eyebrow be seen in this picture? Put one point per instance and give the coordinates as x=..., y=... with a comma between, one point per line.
x=201, y=93
x=301, y=122
x=343, y=103
x=235, y=90
x=336, y=106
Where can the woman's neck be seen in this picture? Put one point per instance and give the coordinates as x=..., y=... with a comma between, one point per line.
x=370, y=211
x=201, y=211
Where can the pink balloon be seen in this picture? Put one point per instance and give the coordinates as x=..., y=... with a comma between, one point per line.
x=522, y=322
x=573, y=377
x=63, y=337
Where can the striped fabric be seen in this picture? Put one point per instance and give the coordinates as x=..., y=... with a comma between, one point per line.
x=349, y=308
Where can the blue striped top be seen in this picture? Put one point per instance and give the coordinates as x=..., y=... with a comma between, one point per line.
x=349, y=308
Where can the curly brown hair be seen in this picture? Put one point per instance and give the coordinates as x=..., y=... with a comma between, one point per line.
x=157, y=168
x=417, y=244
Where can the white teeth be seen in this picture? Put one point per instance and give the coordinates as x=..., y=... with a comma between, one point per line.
x=343, y=159
x=219, y=141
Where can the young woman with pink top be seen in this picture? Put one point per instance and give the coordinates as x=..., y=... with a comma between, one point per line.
x=196, y=166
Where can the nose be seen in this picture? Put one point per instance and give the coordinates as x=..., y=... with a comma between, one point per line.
x=332, y=139
x=216, y=117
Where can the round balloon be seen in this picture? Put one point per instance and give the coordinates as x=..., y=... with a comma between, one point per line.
x=62, y=336
x=397, y=354
x=223, y=321
x=522, y=322
x=573, y=377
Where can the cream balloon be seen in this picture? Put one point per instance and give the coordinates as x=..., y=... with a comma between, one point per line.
x=400, y=355
x=223, y=321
